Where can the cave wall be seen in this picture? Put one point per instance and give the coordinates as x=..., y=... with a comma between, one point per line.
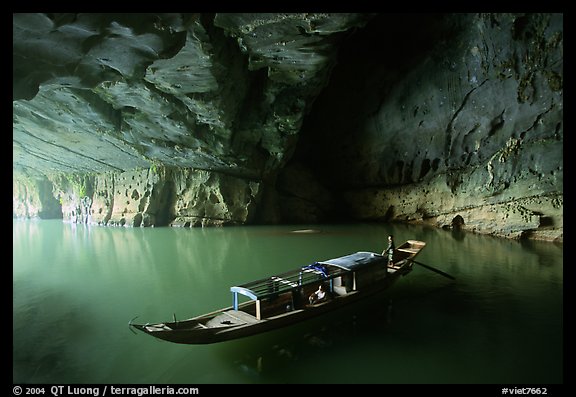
x=213, y=102
x=453, y=120
x=158, y=196
x=34, y=198
x=470, y=125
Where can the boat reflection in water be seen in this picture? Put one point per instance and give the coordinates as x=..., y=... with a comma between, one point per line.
x=271, y=356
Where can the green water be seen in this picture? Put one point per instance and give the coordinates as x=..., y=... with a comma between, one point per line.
x=76, y=287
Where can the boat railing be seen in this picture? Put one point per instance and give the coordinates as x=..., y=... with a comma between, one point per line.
x=271, y=287
x=298, y=281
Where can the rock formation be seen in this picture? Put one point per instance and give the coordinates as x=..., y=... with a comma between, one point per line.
x=454, y=120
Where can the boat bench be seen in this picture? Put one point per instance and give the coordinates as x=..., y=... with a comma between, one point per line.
x=396, y=266
x=231, y=317
x=338, y=288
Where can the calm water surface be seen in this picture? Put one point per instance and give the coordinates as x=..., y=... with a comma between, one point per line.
x=76, y=287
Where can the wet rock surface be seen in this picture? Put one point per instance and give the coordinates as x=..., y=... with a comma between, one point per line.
x=468, y=124
x=215, y=119
x=225, y=93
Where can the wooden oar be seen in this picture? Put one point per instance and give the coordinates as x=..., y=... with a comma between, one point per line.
x=433, y=269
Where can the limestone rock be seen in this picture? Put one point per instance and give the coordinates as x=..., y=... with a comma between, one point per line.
x=471, y=124
x=455, y=120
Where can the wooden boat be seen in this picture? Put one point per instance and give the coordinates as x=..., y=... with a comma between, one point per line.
x=282, y=300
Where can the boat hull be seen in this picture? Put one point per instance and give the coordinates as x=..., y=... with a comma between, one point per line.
x=234, y=323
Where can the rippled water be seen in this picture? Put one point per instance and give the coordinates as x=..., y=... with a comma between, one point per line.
x=76, y=287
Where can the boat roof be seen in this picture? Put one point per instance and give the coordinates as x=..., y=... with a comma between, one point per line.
x=306, y=275
x=354, y=261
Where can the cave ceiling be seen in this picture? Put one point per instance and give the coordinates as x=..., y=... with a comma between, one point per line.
x=222, y=92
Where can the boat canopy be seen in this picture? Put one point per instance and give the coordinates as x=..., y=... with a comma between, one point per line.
x=354, y=261
x=325, y=270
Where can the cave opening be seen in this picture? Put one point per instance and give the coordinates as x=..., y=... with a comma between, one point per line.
x=457, y=222
x=165, y=211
